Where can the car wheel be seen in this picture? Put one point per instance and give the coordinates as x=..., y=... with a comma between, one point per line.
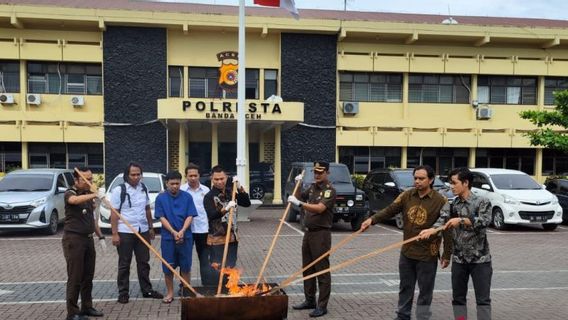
x=357, y=221
x=257, y=192
x=498, y=219
x=398, y=221
x=53, y=224
x=549, y=226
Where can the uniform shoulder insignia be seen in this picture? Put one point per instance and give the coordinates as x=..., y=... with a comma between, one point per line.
x=327, y=194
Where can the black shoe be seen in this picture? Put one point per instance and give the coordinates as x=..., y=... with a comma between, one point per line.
x=123, y=298
x=92, y=312
x=78, y=317
x=304, y=305
x=153, y=294
x=318, y=312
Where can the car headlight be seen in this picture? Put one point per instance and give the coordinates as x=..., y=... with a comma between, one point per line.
x=350, y=203
x=38, y=202
x=554, y=201
x=510, y=200
x=359, y=197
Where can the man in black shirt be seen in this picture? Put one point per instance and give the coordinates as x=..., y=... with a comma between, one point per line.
x=78, y=245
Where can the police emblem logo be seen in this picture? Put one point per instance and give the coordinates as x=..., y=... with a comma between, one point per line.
x=327, y=194
x=228, y=71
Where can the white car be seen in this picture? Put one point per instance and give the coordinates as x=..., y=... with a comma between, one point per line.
x=155, y=182
x=516, y=198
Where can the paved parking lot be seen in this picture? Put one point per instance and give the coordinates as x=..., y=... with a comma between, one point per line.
x=530, y=274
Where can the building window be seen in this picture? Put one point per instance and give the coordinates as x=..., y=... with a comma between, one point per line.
x=175, y=81
x=442, y=160
x=270, y=83
x=552, y=85
x=370, y=87
x=204, y=83
x=506, y=158
x=9, y=76
x=364, y=159
x=507, y=90
x=554, y=163
x=64, y=78
x=10, y=156
x=434, y=88
x=66, y=156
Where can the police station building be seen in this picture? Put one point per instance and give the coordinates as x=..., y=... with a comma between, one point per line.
x=101, y=83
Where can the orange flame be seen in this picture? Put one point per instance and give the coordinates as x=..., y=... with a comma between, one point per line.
x=238, y=288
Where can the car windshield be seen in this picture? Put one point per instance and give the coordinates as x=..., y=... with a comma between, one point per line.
x=406, y=179
x=514, y=182
x=152, y=183
x=337, y=174
x=26, y=182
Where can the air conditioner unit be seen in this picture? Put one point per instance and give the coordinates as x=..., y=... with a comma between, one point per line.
x=6, y=98
x=33, y=98
x=484, y=113
x=350, y=107
x=77, y=101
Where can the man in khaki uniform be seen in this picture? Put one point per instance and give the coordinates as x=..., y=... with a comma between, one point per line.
x=317, y=202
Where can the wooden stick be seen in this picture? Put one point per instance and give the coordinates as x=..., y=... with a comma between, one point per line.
x=113, y=210
x=227, y=238
x=277, y=233
x=328, y=253
x=352, y=261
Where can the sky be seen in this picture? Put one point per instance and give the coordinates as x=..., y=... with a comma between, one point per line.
x=544, y=9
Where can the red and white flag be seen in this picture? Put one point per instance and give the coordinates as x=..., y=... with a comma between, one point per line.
x=286, y=4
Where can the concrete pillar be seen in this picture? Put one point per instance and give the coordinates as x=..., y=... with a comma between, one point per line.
x=540, y=93
x=261, y=146
x=214, y=144
x=185, y=84
x=182, y=148
x=246, y=179
x=277, y=165
x=25, y=156
x=538, y=165
x=403, y=156
x=471, y=157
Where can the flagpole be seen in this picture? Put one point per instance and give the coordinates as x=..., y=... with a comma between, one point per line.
x=241, y=86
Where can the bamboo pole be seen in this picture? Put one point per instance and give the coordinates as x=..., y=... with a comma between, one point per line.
x=156, y=253
x=298, y=183
x=227, y=238
x=351, y=261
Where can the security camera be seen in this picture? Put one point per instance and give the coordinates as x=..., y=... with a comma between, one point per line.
x=475, y=103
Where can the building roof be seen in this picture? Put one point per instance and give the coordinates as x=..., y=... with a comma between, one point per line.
x=140, y=5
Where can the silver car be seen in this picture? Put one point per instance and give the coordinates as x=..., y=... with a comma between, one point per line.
x=33, y=199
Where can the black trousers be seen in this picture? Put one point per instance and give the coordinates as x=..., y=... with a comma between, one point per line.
x=314, y=244
x=481, y=274
x=216, y=256
x=412, y=271
x=80, y=256
x=130, y=243
x=202, y=248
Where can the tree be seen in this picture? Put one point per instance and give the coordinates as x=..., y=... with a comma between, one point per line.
x=545, y=136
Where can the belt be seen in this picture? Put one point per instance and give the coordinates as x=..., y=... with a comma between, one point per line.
x=317, y=229
x=86, y=235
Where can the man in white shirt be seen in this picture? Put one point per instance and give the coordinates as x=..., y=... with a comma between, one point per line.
x=131, y=200
x=200, y=224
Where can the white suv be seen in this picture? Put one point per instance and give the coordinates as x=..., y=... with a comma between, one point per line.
x=155, y=182
x=516, y=198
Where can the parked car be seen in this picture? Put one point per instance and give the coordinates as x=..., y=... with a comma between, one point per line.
x=382, y=186
x=155, y=182
x=559, y=188
x=261, y=180
x=33, y=199
x=350, y=203
x=516, y=198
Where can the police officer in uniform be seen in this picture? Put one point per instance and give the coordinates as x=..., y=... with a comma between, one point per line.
x=78, y=245
x=317, y=202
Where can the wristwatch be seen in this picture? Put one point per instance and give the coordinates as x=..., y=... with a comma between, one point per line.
x=102, y=237
x=301, y=204
x=462, y=222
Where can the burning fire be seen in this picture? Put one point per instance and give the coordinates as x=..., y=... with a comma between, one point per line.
x=236, y=286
